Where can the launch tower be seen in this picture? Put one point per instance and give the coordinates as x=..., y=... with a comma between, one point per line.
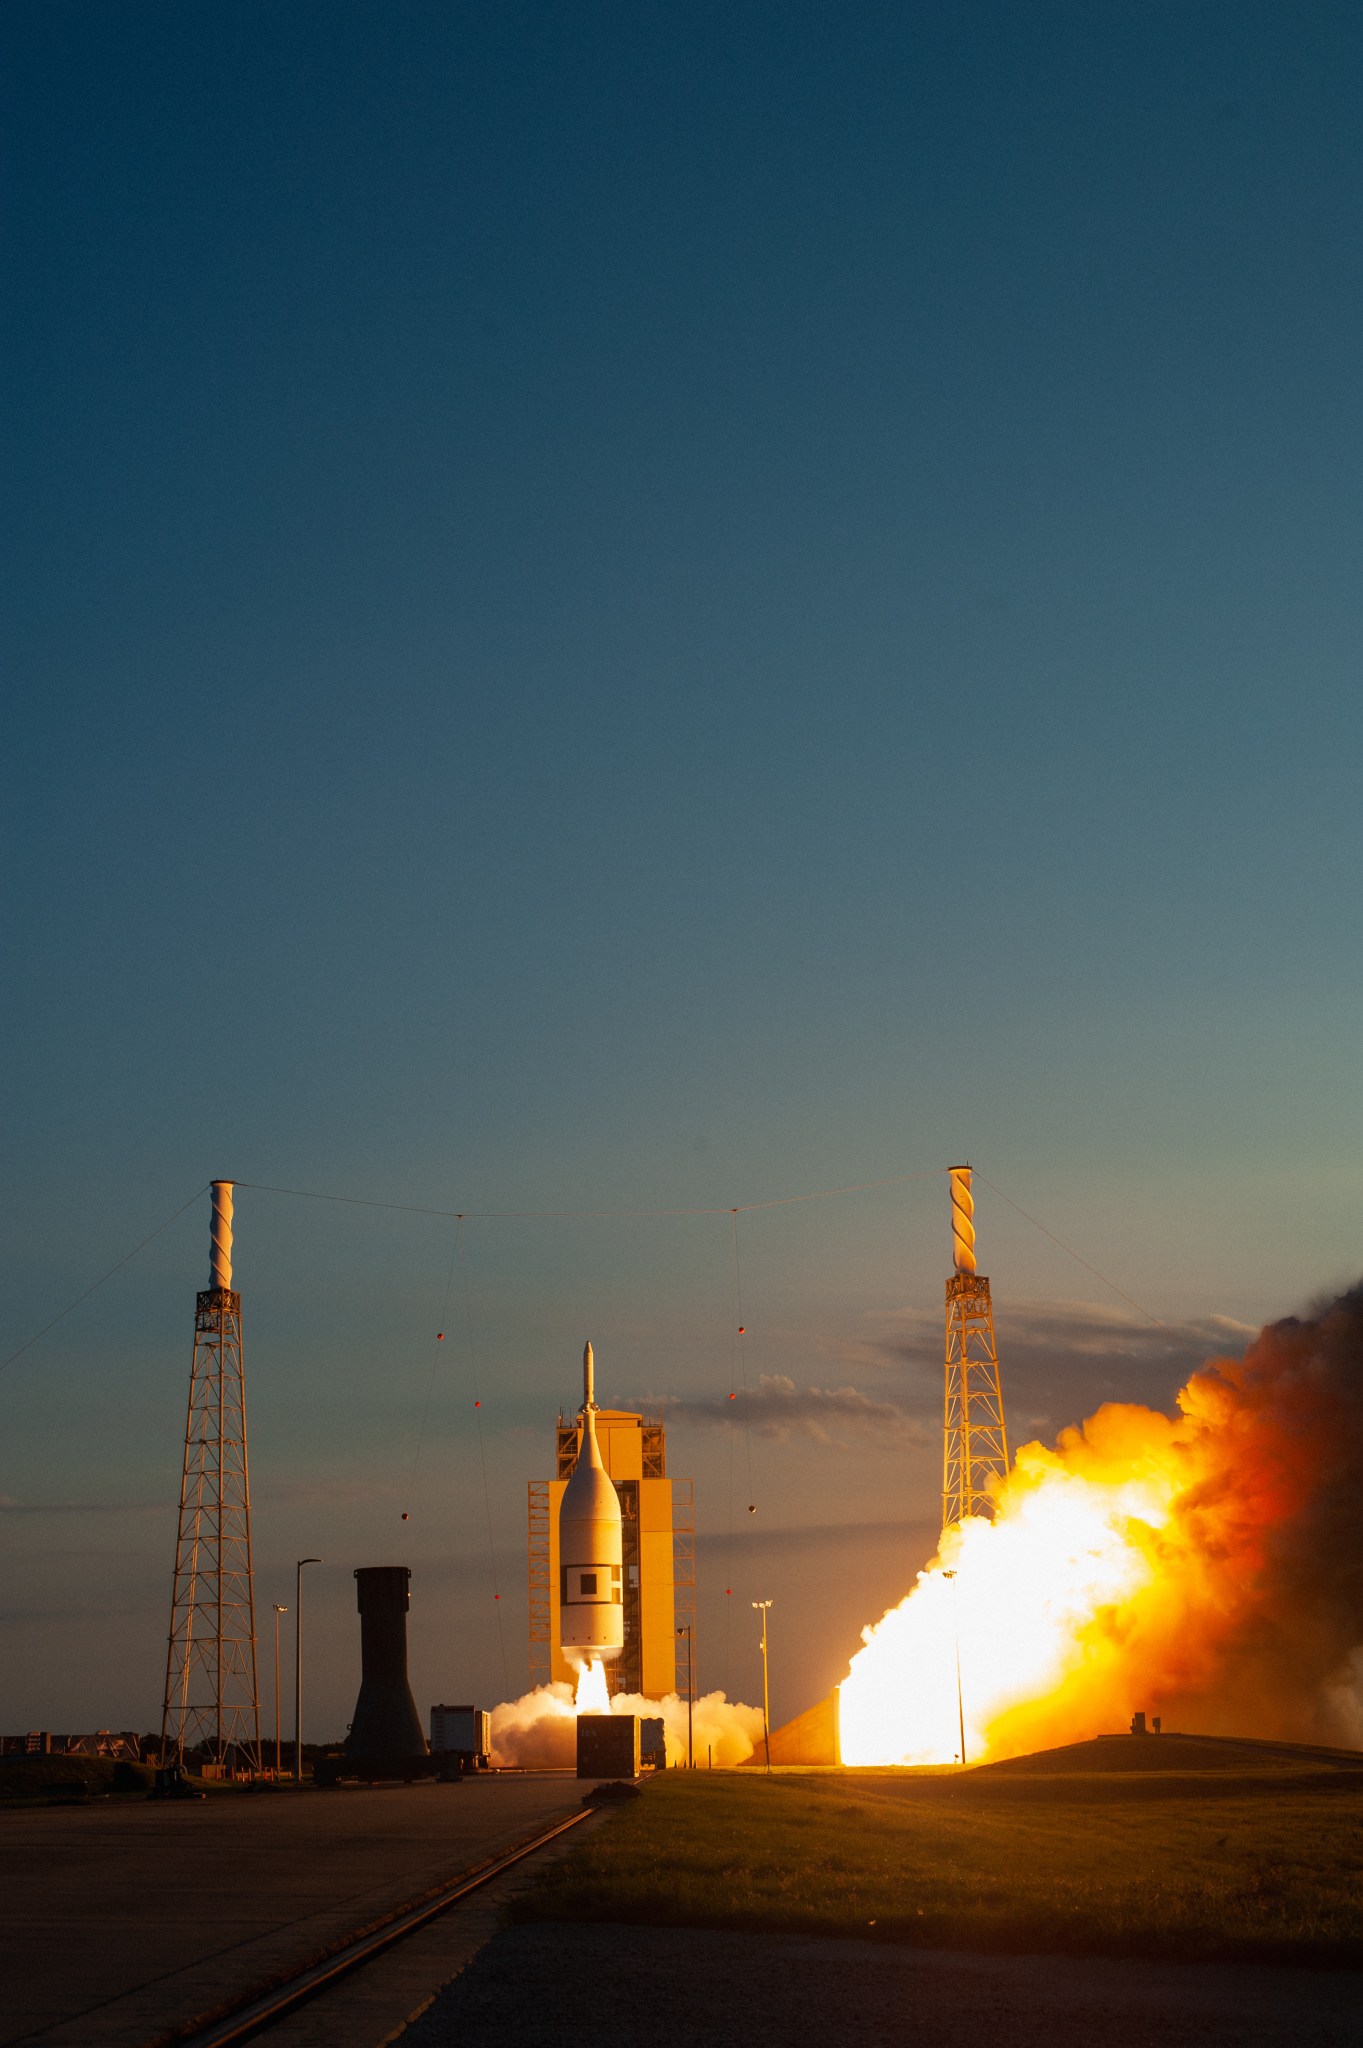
x=212, y=1699
x=975, y=1447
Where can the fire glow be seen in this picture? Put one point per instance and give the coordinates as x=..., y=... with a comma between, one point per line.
x=592, y=1695
x=1203, y=1565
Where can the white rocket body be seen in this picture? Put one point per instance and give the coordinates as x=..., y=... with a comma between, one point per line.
x=591, y=1600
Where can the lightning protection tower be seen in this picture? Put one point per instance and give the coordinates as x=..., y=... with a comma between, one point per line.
x=975, y=1448
x=212, y=1699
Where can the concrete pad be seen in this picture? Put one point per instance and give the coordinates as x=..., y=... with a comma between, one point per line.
x=119, y=1922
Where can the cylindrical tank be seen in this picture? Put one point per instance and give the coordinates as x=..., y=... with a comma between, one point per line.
x=386, y=1722
x=591, y=1598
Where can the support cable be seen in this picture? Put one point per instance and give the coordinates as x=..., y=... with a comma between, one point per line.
x=1130, y=1300
x=551, y=1215
x=435, y=1360
x=462, y=1250
x=95, y=1285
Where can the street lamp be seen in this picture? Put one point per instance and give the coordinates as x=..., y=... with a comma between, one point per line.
x=298, y=1669
x=690, y=1693
x=956, y=1631
x=278, y=1610
x=762, y=1606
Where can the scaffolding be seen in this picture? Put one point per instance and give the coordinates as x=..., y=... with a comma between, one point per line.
x=541, y=1610
x=212, y=1697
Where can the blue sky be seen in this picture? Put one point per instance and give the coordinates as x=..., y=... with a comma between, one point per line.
x=616, y=609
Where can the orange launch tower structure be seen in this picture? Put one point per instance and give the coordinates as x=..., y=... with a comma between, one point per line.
x=212, y=1697
x=975, y=1436
x=658, y=1556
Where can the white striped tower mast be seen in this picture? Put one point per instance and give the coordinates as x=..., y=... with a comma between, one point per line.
x=975, y=1439
x=212, y=1697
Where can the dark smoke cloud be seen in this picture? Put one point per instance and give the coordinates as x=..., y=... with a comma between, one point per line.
x=777, y=1408
x=1288, y=1421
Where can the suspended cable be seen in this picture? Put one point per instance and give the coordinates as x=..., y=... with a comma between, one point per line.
x=1121, y=1292
x=562, y=1215
x=435, y=1360
x=729, y=1543
x=95, y=1285
x=462, y=1250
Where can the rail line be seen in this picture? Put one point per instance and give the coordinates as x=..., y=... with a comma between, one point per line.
x=262, y=2011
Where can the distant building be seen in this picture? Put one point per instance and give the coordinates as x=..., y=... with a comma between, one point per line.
x=659, y=1556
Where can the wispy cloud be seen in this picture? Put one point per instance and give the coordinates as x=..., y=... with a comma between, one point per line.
x=777, y=1408
x=1060, y=1359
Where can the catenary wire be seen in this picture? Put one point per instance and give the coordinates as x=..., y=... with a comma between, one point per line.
x=1119, y=1291
x=95, y=1285
x=560, y=1215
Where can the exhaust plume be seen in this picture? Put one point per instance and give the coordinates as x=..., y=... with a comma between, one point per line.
x=1206, y=1566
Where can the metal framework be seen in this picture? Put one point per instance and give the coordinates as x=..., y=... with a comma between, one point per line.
x=540, y=1608
x=212, y=1697
x=975, y=1437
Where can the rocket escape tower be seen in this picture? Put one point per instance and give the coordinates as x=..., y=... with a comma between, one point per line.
x=212, y=1699
x=975, y=1447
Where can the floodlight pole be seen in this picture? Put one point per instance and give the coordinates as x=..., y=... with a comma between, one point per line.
x=278, y=1610
x=690, y=1696
x=956, y=1631
x=298, y=1669
x=762, y=1606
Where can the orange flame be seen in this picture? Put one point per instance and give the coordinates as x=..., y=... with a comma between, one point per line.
x=593, y=1695
x=1202, y=1565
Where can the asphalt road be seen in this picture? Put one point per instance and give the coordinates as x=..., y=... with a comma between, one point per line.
x=120, y=1921
x=602, y=1986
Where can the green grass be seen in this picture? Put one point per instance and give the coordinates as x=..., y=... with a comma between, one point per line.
x=1231, y=1865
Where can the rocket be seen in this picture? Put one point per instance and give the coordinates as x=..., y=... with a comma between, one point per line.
x=591, y=1610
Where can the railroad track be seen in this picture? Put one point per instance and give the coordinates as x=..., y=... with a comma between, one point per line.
x=262, y=2011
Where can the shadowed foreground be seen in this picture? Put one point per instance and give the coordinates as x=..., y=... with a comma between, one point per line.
x=1223, y=1866
x=673, y=1987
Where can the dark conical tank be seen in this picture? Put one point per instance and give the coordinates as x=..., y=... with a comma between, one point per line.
x=386, y=1723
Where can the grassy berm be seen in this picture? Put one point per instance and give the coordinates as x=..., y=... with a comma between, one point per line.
x=1218, y=1865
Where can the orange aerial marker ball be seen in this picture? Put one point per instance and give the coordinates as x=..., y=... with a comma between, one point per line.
x=733, y=1397
x=440, y=1336
x=477, y=1404
x=404, y=1517
x=741, y=1328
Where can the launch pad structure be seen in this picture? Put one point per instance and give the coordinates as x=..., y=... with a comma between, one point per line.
x=658, y=1556
x=212, y=1695
x=974, y=1433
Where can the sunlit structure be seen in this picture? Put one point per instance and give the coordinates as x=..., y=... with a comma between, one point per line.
x=658, y=1568
x=212, y=1698
x=975, y=1438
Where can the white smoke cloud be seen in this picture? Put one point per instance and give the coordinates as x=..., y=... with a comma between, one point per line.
x=539, y=1730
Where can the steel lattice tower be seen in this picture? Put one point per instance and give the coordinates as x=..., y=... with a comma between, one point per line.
x=975, y=1446
x=212, y=1697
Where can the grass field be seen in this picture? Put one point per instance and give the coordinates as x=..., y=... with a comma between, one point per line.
x=1263, y=1864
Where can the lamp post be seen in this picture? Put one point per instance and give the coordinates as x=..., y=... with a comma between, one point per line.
x=690, y=1694
x=762, y=1606
x=278, y=1610
x=956, y=1631
x=298, y=1669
